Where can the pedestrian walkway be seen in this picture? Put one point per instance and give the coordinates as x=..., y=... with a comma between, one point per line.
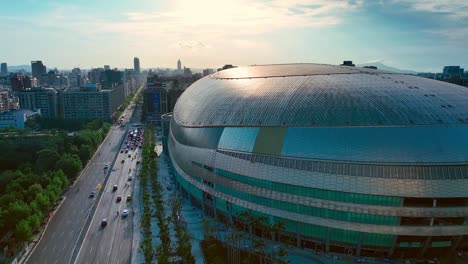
x=189, y=215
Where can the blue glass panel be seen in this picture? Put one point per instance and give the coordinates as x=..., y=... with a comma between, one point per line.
x=444, y=143
x=242, y=139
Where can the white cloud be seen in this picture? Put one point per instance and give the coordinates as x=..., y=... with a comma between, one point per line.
x=209, y=28
x=457, y=9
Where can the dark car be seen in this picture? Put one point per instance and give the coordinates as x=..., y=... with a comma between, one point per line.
x=119, y=198
x=122, y=161
x=121, y=151
x=104, y=222
x=91, y=195
x=114, y=188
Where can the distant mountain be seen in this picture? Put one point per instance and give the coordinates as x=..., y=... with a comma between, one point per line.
x=384, y=67
x=19, y=67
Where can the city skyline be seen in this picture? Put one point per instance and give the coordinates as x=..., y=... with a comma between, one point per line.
x=413, y=35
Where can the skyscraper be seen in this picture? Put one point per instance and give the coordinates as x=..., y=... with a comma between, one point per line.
x=38, y=69
x=136, y=65
x=179, y=65
x=20, y=82
x=4, y=69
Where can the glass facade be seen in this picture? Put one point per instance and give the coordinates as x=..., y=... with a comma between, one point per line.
x=312, y=192
x=379, y=144
x=345, y=157
x=307, y=230
x=240, y=139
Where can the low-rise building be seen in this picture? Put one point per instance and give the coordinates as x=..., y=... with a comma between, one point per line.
x=16, y=118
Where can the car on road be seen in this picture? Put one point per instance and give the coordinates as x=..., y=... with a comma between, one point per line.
x=129, y=178
x=125, y=213
x=126, y=150
x=114, y=188
x=129, y=156
x=122, y=151
x=122, y=161
x=104, y=222
x=129, y=197
x=106, y=166
x=138, y=162
x=92, y=194
x=119, y=198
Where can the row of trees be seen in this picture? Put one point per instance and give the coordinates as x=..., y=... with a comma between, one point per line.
x=122, y=107
x=163, y=251
x=184, y=245
x=146, y=244
x=249, y=239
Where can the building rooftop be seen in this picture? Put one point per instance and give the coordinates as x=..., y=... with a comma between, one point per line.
x=316, y=95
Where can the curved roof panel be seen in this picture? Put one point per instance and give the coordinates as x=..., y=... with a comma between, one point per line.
x=315, y=95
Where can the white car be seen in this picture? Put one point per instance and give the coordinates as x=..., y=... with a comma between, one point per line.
x=125, y=213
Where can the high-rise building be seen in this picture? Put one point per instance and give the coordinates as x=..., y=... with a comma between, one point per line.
x=136, y=65
x=179, y=65
x=207, y=72
x=45, y=99
x=95, y=75
x=111, y=78
x=38, y=69
x=89, y=103
x=155, y=103
x=20, y=82
x=187, y=72
x=4, y=104
x=452, y=72
x=346, y=159
x=75, y=78
x=4, y=68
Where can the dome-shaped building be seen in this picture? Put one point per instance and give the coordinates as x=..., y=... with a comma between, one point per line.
x=351, y=160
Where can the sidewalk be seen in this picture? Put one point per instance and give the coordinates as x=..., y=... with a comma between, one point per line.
x=189, y=215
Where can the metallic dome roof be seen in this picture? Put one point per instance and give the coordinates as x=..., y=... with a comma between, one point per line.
x=315, y=95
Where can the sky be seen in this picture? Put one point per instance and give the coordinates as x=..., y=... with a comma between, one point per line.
x=421, y=35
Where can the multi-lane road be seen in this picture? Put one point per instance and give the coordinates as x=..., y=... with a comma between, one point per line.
x=61, y=237
x=113, y=243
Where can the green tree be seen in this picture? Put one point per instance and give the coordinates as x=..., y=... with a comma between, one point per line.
x=23, y=230
x=70, y=164
x=5, y=178
x=46, y=159
x=43, y=201
x=85, y=153
x=32, y=191
x=34, y=221
x=15, y=212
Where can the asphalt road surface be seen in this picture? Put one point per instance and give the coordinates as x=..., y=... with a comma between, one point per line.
x=64, y=228
x=113, y=243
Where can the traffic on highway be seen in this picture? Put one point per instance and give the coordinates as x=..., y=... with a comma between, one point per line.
x=94, y=222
